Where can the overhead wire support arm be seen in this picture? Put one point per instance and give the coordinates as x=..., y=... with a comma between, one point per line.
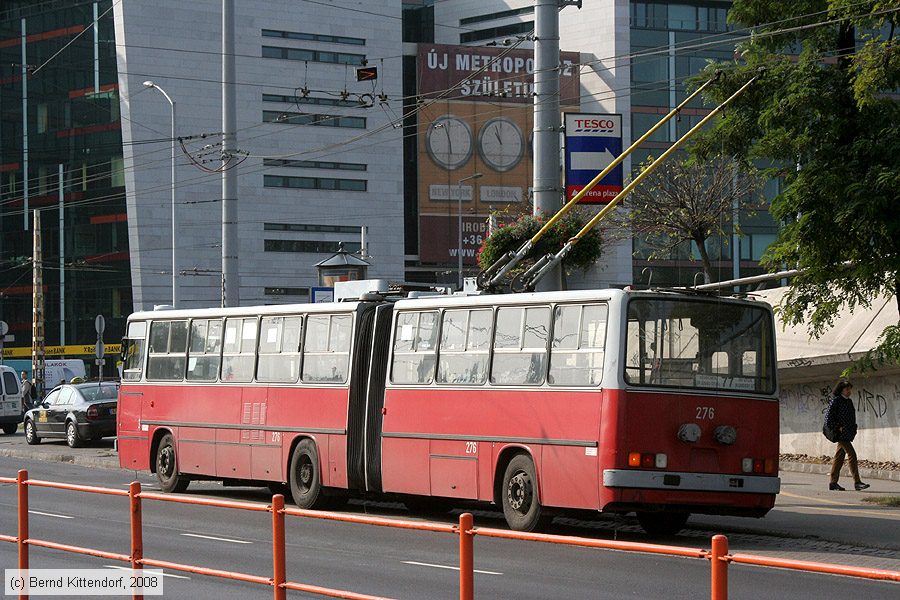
x=491, y=276
x=530, y=278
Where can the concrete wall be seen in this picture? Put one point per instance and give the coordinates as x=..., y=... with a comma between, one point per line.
x=877, y=402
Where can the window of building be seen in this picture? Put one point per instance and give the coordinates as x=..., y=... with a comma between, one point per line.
x=338, y=58
x=465, y=346
x=520, y=346
x=287, y=291
x=295, y=118
x=205, y=348
x=279, y=349
x=686, y=17
x=308, y=227
x=415, y=342
x=238, y=350
x=577, y=350
x=496, y=32
x=314, y=37
x=314, y=164
x=309, y=246
x=528, y=10
x=316, y=100
x=168, y=347
x=326, y=349
x=315, y=183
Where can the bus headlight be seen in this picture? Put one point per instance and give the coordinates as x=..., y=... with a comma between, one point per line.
x=689, y=432
x=725, y=434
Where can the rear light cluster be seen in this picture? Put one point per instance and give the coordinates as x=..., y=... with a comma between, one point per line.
x=758, y=465
x=92, y=412
x=647, y=460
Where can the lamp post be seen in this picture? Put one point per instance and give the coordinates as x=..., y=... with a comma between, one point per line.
x=459, y=249
x=175, y=297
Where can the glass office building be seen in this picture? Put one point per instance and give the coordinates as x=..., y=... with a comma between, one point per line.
x=60, y=115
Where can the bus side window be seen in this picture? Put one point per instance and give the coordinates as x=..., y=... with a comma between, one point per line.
x=134, y=352
x=205, y=345
x=415, y=342
x=520, y=346
x=279, y=349
x=168, y=350
x=579, y=338
x=326, y=348
x=465, y=341
x=239, y=350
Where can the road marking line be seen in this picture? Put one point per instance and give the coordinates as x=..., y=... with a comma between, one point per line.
x=129, y=568
x=822, y=500
x=421, y=564
x=46, y=514
x=218, y=539
x=866, y=511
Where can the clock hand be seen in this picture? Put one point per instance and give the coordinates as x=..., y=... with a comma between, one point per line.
x=497, y=133
x=449, y=141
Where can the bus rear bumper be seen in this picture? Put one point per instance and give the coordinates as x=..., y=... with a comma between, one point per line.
x=693, y=482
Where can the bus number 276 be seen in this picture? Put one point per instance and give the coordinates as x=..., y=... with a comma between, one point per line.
x=471, y=447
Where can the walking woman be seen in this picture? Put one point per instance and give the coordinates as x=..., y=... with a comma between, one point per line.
x=841, y=417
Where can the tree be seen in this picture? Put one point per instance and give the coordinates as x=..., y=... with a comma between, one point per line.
x=690, y=201
x=826, y=114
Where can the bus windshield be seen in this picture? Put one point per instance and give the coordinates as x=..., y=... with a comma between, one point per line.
x=697, y=343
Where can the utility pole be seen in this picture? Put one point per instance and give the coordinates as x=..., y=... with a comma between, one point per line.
x=37, y=320
x=547, y=192
x=231, y=293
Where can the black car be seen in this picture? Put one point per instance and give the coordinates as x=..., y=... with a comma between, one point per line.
x=76, y=412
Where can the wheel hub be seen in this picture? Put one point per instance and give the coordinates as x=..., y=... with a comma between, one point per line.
x=519, y=492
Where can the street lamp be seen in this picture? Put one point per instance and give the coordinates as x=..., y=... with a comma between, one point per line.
x=459, y=249
x=175, y=298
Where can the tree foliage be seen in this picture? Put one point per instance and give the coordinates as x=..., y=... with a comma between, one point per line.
x=511, y=235
x=691, y=201
x=823, y=112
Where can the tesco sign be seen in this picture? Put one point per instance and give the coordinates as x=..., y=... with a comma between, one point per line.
x=594, y=126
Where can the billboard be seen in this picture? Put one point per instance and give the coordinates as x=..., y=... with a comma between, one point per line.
x=475, y=119
x=593, y=141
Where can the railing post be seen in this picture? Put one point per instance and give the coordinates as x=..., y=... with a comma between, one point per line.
x=278, y=569
x=137, y=530
x=719, y=581
x=22, y=488
x=466, y=560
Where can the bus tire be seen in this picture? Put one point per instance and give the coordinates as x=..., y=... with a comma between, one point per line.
x=170, y=480
x=31, y=436
x=662, y=523
x=519, y=496
x=305, y=477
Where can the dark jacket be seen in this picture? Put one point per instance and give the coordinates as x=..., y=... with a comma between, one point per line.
x=841, y=416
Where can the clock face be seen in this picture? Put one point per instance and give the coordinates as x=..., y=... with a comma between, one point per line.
x=449, y=142
x=501, y=144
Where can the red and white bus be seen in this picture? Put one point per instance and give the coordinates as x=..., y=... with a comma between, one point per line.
x=658, y=403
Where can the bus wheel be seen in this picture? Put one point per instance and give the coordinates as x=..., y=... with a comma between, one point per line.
x=521, y=507
x=170, y=480
x=305, y=478
x=662, y=523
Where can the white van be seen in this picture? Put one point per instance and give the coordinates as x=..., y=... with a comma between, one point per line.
x=10, y=400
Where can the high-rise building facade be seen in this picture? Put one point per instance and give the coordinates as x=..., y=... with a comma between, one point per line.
x=59, y=114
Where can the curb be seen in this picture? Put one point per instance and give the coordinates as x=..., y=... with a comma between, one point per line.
x=100, y=462
x=825, y=469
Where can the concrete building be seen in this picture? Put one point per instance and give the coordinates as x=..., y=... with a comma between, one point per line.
x=318, y=158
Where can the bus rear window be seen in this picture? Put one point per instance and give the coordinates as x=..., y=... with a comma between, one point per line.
x=692, y=343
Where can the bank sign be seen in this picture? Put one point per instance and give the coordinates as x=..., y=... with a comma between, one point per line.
x=593, y=141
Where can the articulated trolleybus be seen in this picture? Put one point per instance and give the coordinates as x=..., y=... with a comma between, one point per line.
x=657, y=403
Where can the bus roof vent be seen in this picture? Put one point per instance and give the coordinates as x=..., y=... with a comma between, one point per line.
x=163, y=307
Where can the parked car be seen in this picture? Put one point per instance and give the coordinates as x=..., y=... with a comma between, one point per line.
x=76, y=412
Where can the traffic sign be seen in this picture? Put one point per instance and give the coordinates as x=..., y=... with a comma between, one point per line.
x=4, y=328
x=99, y=324
x=99, y=349
x=592, y=143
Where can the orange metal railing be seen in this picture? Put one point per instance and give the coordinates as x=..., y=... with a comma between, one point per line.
x=718, y=555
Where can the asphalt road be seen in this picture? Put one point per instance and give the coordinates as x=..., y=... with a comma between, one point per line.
x=408, y=564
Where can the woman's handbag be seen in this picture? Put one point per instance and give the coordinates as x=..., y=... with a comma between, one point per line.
x=830, y=434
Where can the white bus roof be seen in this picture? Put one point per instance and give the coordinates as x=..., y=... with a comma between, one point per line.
x=243, y=311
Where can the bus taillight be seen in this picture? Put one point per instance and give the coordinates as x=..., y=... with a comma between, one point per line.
x=648, y=460
x=758, y=465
